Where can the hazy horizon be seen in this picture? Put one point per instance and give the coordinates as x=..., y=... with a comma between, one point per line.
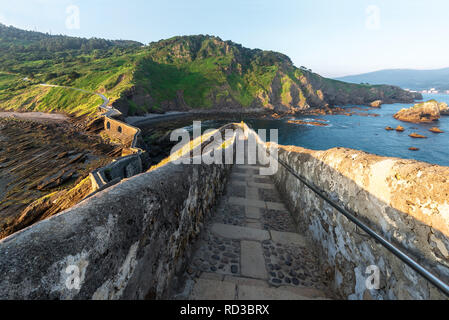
x=334, y=39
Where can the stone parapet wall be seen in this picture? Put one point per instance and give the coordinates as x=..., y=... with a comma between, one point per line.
x=126, y=242
x=405, y=201
x=113, y=173
x=121, y=131
x=128, y=165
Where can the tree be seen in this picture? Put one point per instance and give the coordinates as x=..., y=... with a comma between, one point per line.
x=74, y=75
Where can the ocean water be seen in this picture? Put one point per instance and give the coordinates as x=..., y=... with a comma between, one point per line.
x=367, y=134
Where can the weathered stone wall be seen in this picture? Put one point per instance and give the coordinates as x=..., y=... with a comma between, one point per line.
x=127, y=242
x=113, y=173
x=129, y=164
x=121, y=131
x=405, y=201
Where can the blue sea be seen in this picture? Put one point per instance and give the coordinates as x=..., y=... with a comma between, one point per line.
x=368, y=133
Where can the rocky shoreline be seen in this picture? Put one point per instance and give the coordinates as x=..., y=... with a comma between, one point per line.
x=40, y=162
x=425, y=112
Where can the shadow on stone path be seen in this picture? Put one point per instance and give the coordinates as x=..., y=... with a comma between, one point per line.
x=250, y=249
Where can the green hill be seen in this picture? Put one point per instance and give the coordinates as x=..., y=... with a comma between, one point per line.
x=181, y=73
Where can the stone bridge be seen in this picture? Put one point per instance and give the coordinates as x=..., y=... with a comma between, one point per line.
x=223, y=231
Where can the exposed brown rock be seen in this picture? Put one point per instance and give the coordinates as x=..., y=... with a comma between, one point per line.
x=376, y=104
x=39, y=159
x=400, y=129
x=436, y=130
x=313, y=123
x=444, y=109
x=48, y=206
x=417, y=136
x=56, y=180
x=422, y=112
x=413, y=149
x=276, y=116
x=389, y=129
x=62, y=155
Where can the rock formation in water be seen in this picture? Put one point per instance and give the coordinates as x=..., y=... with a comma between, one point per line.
x=424, y=112
x=417, y=136
x=376, y=104
x=436, y=130
x=312, y=123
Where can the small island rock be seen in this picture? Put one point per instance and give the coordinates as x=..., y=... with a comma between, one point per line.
x=376, y=104
x=417, y=136
x=436, y=130
x=422, y=112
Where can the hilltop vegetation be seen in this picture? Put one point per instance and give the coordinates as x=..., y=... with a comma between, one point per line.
x=28, y=59
x=206, y=72
x=181, y=73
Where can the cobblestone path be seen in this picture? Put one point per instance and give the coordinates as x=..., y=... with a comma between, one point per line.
x=250, y=249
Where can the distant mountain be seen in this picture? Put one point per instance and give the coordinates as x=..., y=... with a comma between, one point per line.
x=405, y=78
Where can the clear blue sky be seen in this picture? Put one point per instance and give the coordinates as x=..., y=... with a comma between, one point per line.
x=333, y=37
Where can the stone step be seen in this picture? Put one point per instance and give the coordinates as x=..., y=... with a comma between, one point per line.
x=247, y=166
x=240, y=175
x=252, y=260
x=230, y=231
x=257, y=293
x=266, y=186
x=288, y=238
x=300, y=290
x=257, y=203
x=206, y=289
x=214, y=287
x=239, y=233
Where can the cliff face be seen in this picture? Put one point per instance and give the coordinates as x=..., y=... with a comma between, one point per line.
x=203, y=72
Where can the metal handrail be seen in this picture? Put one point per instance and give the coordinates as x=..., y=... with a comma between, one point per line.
x=442, y=286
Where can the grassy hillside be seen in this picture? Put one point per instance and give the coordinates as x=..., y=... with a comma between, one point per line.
x=181, y=73
x=91, y=64
x=205, y=72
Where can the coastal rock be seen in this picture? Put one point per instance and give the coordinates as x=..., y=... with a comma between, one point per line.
x=444, y=109
x=56, y=180
x=436, y=130
x=389, y=129
x=400, y=129
x=417, y=136
x=313, y=123
x=413, y=149
x=422, y=112
x=376, y=104
x=37, y=163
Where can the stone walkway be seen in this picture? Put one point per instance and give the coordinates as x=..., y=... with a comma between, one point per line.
x=251, y=250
